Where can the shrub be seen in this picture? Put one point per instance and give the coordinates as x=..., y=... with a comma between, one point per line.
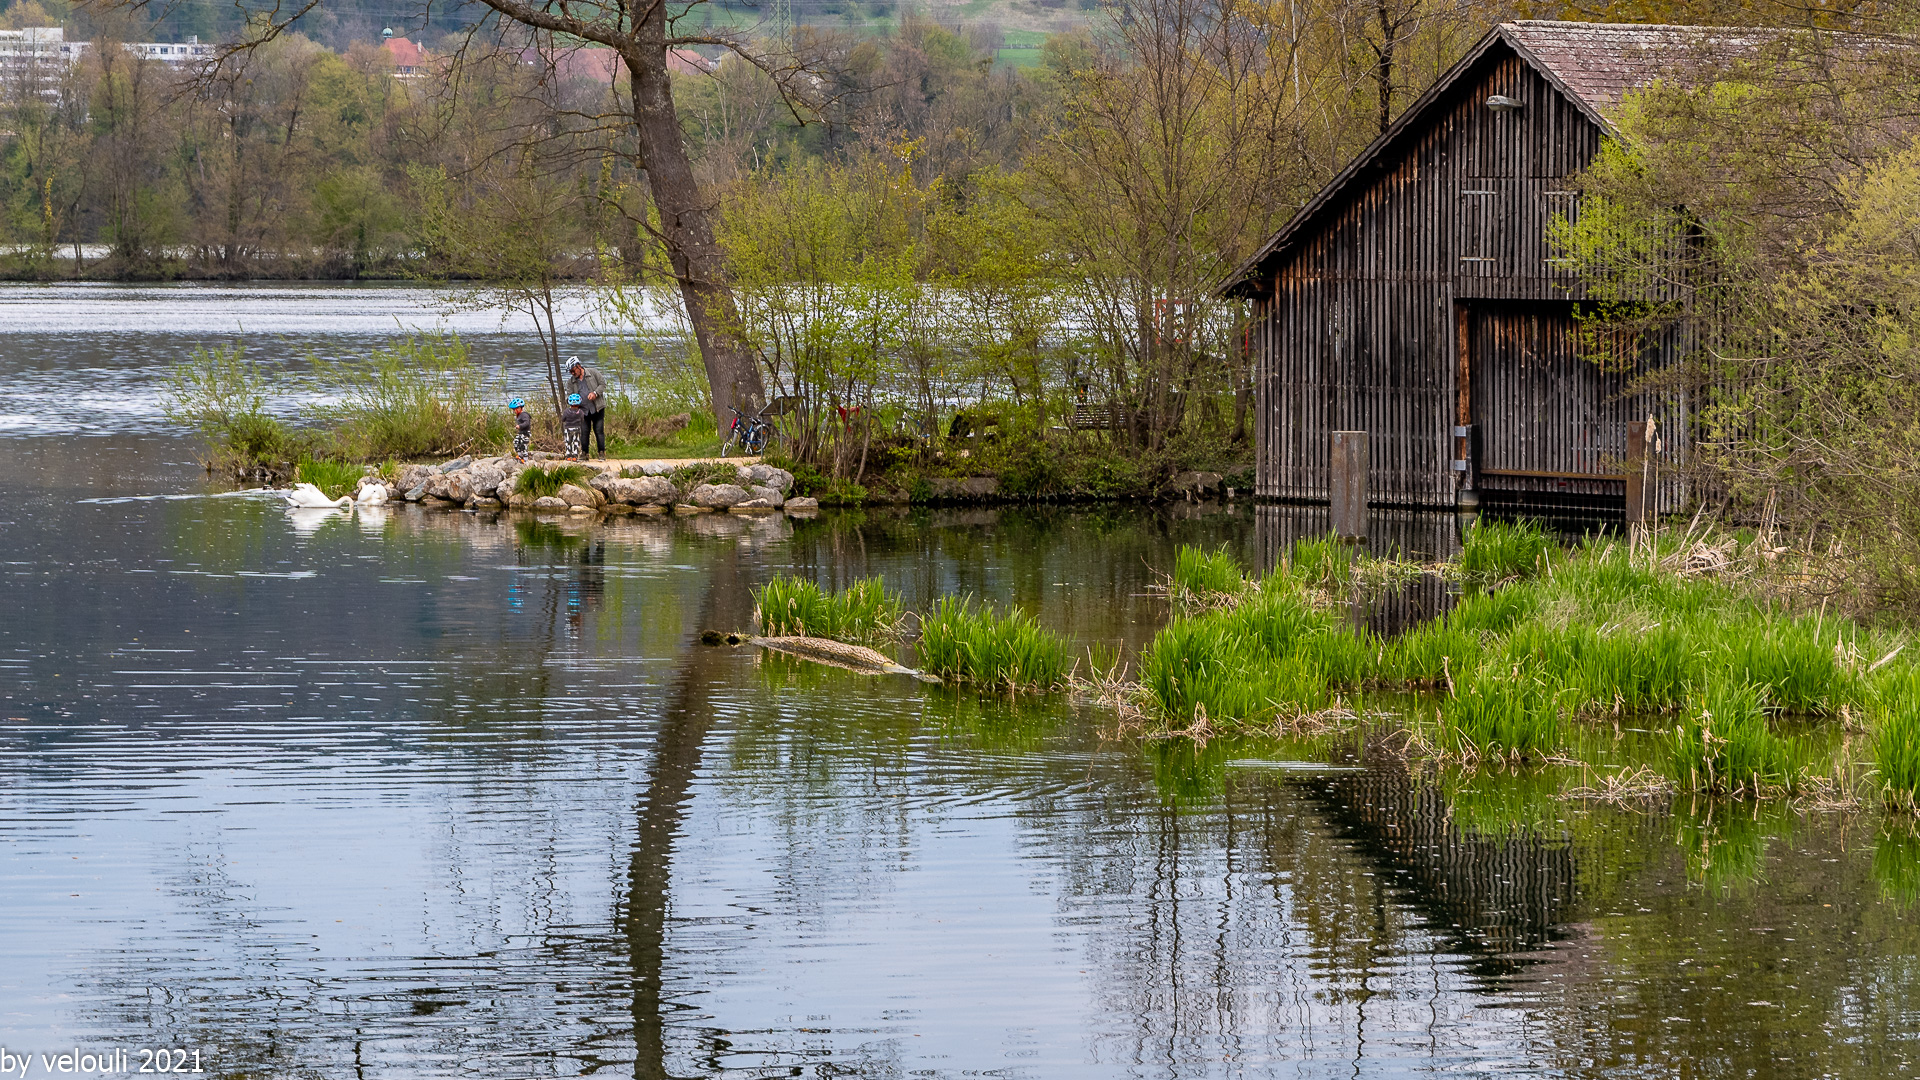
x=223, y=398
x=538, y=481
x=973, y=644
x=333, y=478
x=1497, y=551
x=862, y=612
x=416, y=398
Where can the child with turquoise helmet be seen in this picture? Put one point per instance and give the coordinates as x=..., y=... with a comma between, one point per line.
x=522, y=428
x=573, y=422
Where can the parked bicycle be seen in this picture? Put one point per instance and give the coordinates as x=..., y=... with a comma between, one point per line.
x=750, y=433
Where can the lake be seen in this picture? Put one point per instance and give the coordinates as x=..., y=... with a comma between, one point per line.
x=418, y=793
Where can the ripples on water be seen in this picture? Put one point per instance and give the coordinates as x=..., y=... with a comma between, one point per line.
x=443, y=794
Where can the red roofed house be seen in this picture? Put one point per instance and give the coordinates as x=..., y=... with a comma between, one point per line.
x=410, y=60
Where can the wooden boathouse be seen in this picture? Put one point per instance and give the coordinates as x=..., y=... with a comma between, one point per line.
x=1416, y=297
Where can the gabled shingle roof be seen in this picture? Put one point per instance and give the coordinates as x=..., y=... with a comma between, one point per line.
x=1593, y=64
x=1597, y=63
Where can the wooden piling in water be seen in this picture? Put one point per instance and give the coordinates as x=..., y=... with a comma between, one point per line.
x=1348, y=458
x=1639, y=436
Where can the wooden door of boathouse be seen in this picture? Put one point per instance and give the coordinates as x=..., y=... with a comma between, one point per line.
x=1549, y=424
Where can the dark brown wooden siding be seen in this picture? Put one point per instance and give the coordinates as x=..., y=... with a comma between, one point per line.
x=1359, y=325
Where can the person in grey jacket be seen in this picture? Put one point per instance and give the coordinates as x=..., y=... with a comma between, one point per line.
x=592, y=388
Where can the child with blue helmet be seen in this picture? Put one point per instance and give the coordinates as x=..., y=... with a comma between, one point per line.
x=522, y=428
x=573, y=421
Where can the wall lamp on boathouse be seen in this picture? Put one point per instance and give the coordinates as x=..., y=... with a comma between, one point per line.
x=1500, y=103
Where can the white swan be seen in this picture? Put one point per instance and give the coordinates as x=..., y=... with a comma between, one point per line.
x=373, y=493
x=306, y=496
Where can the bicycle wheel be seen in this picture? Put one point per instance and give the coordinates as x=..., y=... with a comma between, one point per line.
x=755, y=442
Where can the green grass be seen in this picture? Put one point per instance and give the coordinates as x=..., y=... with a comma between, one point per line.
x=1202, y=576
x=965, y=642
x=1496, y=551
x=540, y=481
x=1511, y=714
x=1594, y=634
x=1274, y=655
x=863, y=612
x=1725, y=747
x=687, y=477
x=1896, y=738
x=334, y=478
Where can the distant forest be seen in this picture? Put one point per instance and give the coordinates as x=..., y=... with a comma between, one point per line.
x=337, y=24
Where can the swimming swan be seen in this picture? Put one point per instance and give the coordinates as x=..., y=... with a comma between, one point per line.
x=306, y=496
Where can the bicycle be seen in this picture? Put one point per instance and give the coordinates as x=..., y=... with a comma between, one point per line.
x=750, y=433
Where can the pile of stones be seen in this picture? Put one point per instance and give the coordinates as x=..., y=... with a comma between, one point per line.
x=488, y=484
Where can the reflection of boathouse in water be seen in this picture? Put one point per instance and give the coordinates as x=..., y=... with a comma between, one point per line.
x=1503, y=894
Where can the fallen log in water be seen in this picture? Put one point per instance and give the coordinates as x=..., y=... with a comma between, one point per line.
x=823, y=651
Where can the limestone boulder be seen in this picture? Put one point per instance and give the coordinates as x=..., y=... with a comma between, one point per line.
x=412, y=476
x=642, y=491
x=484, y=478
x=603, y=482
x=457, y=464
x=767, y=476
x=575, y=495
x=717, y=496
x=801, y=504
x=550, y=502
x=767, y=494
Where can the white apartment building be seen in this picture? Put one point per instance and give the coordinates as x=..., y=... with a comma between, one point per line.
x=47, y=46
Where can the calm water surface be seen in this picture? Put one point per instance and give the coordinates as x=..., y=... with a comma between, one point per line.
x=443, y=794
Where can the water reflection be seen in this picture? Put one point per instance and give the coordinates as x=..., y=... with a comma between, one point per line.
x=359, y=799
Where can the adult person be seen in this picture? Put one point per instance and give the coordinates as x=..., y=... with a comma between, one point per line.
x=592, y=388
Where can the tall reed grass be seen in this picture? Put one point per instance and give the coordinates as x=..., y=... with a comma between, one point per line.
x=1496, y=551
x=1725, y=747
x=966, y=642
x=1896, y=738
x=1275, y=655
x=1509, y=714
x=1205, y=576
x=1594, y=633
x=223, y=397
x=863, y=612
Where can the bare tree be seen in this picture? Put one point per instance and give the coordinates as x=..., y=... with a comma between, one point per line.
x=643, y=33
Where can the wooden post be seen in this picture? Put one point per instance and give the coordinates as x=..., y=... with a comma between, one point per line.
x=1639, y=437
x=1347, y=489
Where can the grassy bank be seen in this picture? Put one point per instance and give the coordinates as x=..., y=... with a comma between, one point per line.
x=1543, y=644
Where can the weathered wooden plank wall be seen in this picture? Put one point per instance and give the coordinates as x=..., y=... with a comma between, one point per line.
x=1361, y=326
